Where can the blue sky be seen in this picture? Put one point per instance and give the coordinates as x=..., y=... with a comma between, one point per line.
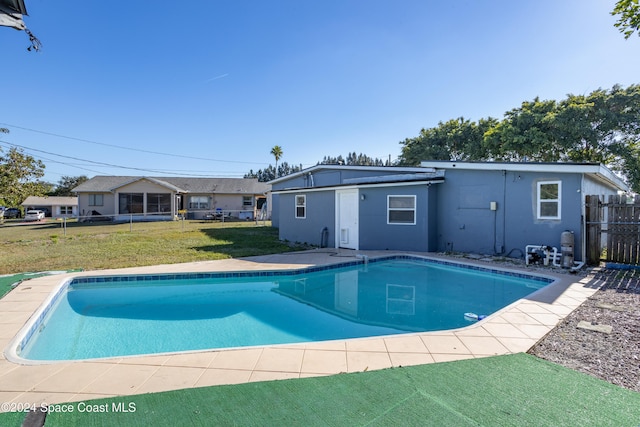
x=207, y=88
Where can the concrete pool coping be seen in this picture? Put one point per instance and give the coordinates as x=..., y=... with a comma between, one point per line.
x=514, y=329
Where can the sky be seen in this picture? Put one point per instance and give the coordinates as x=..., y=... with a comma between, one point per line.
x=206, y=88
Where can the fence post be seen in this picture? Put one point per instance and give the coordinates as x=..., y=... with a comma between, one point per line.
x=594, y=229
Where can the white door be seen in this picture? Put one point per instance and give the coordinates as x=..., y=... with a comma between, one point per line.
x=347, y=219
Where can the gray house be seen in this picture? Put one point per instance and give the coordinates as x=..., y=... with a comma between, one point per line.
x=481, y=207
x=148, y=198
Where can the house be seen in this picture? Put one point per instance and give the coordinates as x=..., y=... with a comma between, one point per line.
x=53, y=206
x=472, y=207
x=124, y=198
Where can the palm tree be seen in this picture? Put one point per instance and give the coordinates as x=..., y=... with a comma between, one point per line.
x=277, y=153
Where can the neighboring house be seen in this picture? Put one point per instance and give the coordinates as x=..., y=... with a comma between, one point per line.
x=53, y=206
x=130, y=197
x=473, y=207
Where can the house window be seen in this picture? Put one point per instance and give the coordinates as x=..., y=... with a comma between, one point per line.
x=549, y=199
x=198, y=202
x=247, y=201
x=130, y=203
x=301, y=207
x=401, y=210
x=158, y=202
x=96, y=199
x=66, y=210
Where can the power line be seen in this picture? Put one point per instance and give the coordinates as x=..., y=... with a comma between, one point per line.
x=163, y=172
x=128, y=148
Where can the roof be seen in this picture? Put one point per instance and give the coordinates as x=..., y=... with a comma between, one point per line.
x=50, y=201
x=396, y=169
x=595, y=170
x=109, y=184
x=423, y=177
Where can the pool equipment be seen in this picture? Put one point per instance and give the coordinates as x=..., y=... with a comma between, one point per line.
x=472, y=317
x=566, y=248
x=541, y=253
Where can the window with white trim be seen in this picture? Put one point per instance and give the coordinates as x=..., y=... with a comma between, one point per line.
x=401, y=210
x=549, y=199
x=301, y=206
x=66, y=210
x=198, y=202
x=247, y=201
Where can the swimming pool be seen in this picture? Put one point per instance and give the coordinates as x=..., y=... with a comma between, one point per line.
x=107, y=316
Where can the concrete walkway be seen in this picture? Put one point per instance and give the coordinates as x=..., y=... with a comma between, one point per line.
x=511, y=330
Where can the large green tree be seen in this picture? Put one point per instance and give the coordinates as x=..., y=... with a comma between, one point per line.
x=19, y=174
x=602, y=127
x=455, y=139
x=628, y=13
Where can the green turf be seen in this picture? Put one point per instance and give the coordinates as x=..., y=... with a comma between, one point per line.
x=7, y=281
x=513, y=390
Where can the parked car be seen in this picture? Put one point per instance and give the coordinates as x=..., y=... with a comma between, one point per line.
x=12, y=213
x=34, y=215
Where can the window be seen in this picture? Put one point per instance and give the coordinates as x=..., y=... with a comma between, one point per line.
x=301, y=207
x=401, y=210
x=549, y=199
x=96, y=200
x=198, y=202
x=66, y=210
x=247, y=201
x=158, y=202
x=130, y=203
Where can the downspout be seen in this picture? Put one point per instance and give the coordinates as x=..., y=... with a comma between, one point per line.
x=583, y=222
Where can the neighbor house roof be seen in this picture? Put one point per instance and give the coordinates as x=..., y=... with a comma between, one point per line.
x=50, y=201
x=109, y=184
x=595, y=170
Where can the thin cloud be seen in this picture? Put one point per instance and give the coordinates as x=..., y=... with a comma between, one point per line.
x=221, y=76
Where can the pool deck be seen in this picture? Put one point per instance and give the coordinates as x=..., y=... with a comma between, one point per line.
x=514, y=329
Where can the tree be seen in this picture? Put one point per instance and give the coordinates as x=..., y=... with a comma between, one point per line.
x=628, y=12
x=601, y=127
x=276, y=152
x=19, y=175
x=269, y=173
x=352, y=159
x=66, y=184
x=456, y=139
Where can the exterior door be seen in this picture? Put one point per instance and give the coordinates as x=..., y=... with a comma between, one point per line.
x=347, y=219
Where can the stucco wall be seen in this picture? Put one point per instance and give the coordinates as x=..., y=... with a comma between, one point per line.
x=107, y=208
x=466, y=222
x=320, y=213
x=376, y=234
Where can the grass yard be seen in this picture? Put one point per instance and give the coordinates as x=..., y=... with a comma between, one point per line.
x=47, y=246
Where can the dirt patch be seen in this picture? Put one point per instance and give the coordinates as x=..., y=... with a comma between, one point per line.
x=614, y=356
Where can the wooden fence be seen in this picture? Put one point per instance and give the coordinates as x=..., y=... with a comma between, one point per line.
x=614, y=225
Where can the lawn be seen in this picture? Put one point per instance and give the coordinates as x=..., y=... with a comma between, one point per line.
x=49, y=246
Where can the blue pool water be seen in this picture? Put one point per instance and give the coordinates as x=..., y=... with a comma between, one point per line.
x=117, y=316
